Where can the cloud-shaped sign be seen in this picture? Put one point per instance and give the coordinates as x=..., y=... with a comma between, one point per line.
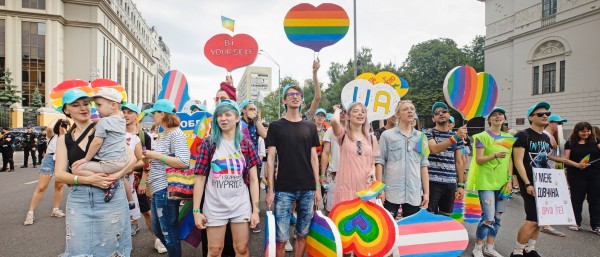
x=380, y=99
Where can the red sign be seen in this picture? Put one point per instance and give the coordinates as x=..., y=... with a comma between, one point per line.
x=230, y=52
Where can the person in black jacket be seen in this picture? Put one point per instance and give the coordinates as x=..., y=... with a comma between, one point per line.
x=42, y=145
x=29, y=143
x=6, y=141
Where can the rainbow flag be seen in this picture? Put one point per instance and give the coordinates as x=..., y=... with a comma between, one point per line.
x=585, y=159
x=187, y=227
x=472, y=207
x=507, y=142
x=504, y=192
x=227, y=23
x=422, y=146
x=371, y=192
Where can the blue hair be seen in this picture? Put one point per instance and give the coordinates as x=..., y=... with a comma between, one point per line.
x=215, y=137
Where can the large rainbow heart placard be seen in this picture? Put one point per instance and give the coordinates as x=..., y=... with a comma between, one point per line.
x=90, y=89
x=230, y=52
x=398, y=83
x=366, y=228
x=323, y=238
x=316, y=27
x=426, y=234
x=175, y=88
x=470, y=93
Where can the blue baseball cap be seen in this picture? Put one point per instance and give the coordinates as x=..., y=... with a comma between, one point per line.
x=72, y=96
x=451, y=119
x=245, y=103
x=438, y=104
x=534, y=107
x=497, y=109
x=322, y=111
x=162, y=105
x=329, y=116
x=416, y=116
x=556, y=118
x=230, y=103
x=201, y=107
x=131, y=106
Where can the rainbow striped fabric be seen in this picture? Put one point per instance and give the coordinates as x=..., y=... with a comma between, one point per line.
x=422, y=146
x=426, y=234
x=506, y=142
x=472, y=94
x=585, y=159
x=373, y=191
x=227, y=23
x=323, y=238
x=316, y=27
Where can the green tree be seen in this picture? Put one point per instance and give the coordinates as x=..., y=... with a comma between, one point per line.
x=9, y=95
x=38, y=99
x=474, y=53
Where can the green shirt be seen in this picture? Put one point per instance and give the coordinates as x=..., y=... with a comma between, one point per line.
x=491, y=175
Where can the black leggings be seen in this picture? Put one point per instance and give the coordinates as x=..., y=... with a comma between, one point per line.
x=585, y=185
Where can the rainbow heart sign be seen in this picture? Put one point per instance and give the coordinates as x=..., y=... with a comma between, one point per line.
x=398, y=83
x=470, y=93
x=229, y=52
x=90, y=89
x=323, y=238
x=316, y=27
x=366, y=228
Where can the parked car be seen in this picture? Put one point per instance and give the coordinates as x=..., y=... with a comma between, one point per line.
x=19, y=134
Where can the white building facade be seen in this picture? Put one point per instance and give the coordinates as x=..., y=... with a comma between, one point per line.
x=255, y=81
x=545, y=50
x=44, y=42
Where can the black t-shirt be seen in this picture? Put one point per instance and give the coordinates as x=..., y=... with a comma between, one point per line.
x=29, y=139
x=378, y=132
x=579, y=151
x=293, y=141
x=537, y=148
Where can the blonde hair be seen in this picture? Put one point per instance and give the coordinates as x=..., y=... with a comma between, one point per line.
x=365, y=126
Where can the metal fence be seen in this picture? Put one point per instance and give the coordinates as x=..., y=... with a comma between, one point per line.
x=30, y=117
x=4, y=117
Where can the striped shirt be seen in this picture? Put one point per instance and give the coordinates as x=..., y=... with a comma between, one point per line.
x=442, y=166
x=172, y=144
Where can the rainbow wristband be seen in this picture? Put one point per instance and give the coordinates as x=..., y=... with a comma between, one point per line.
x=453, y=139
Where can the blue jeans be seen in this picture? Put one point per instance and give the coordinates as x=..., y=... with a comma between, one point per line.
x=165, y=213
x=305, y=201
x=490, y=205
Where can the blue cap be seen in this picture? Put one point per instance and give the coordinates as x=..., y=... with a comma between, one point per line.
x=451, y=119
x=438, y=104
x=321, y=110
x=556, y=118
x=329, y=116
x=162, y=105
x=72, y=96
x=230, y=103
x=245, y=103
x=201, y=107
x=534, y=107
x=497, y=109
x=416, y=116
x=132, y=107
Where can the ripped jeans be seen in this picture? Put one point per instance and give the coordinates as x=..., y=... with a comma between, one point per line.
x=492, y=208
x=95, y=227
x=165, y=214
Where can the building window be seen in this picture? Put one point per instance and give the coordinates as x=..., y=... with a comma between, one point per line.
x=126, y=80
x=562, y=76
x=2, y=47
x=536, y=80
x=548, y=7
x=2, y=2
x=119, y=68
x=33, y=48
x=549, y=78
x=34, y=4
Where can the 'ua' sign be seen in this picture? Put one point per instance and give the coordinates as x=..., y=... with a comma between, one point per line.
x=380, y=99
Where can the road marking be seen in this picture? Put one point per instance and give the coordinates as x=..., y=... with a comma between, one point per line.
x=29, y=183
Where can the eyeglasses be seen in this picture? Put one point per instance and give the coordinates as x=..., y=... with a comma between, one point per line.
x=541, y=114
x=295, y=94
x=436, y=113
x=358, y=149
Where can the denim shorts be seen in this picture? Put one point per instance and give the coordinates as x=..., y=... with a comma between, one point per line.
x=305, y=201
x=47, y=167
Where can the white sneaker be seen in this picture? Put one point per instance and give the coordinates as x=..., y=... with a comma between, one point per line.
x=288, y=246
x=489, y=250
x=57, y=213
x=478, y=251
x=30, y=218
x=158, y=245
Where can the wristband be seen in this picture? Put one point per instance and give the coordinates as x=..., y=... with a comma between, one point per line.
x=164, y=159
x=453, y=139
x=196, y=210
x=322, y=176
x=461, y=184
x=528, y=185
x=75, y=181
x=143, y=182
x=317, y=186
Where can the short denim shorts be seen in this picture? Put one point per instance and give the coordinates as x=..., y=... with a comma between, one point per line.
x=47, y=167
x=305, y=201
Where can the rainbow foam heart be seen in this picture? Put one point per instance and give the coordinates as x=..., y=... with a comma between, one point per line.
x=316, y=27
x=470, y=93
x=398, y=83
x=323, y=238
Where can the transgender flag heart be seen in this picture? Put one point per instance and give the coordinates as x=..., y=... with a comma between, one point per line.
x=175, y=88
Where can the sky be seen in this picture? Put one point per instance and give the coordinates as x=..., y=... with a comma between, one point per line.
x=388, y=27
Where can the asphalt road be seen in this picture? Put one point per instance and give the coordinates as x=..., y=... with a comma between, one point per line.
x=46, y=237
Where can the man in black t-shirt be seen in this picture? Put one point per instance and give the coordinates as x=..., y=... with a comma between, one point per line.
x=294, y=141
x=29, y=142
x=532, y=150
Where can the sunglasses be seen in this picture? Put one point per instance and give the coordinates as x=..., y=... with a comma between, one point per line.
x=541, y=114
x=358, y=149
x=294, y=94
x=436, y=113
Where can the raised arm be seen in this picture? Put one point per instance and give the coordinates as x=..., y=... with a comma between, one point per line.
x=317, y=99
x=336, y=125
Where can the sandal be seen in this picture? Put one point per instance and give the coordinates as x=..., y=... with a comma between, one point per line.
x=554, y=232
x=574, y=228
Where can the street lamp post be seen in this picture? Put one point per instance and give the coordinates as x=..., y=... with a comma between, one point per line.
x=266, y=54
x=354, y=63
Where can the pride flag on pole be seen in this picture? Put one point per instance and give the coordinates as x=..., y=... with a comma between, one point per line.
x=422, y=146
x=227, y=23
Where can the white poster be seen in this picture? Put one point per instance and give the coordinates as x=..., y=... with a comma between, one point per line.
x=552, y=197
x=380, y=99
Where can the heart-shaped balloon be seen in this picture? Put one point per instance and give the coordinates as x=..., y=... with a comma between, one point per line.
x=398, y=83
x=230, y=52
x=366, y=228
x=316, y=27
x=470, y=93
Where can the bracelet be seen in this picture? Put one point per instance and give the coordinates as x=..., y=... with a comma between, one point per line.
x=461, y=184
x=317, y=186
x=453, y=139
x=528, y=185
x=143, y=182
x=196, y=210
x=322, y=176
x=164, y=159
x=75, y=180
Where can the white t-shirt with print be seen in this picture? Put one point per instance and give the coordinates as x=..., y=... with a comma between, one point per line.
x=132, y=140
x=335, y=149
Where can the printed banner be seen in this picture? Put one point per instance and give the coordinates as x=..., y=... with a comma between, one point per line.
x=552, y=197
x=380, y=99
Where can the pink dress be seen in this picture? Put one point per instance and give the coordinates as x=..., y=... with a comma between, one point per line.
x=354, y=169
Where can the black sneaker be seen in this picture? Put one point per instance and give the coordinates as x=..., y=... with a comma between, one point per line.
x=34, y=166
x=110, y=192
x=533, y=253
x=11, y=170
x=24, y=166
x=515, y=255
x=256, y=229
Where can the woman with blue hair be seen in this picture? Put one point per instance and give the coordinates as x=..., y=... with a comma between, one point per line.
x=225, y=166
